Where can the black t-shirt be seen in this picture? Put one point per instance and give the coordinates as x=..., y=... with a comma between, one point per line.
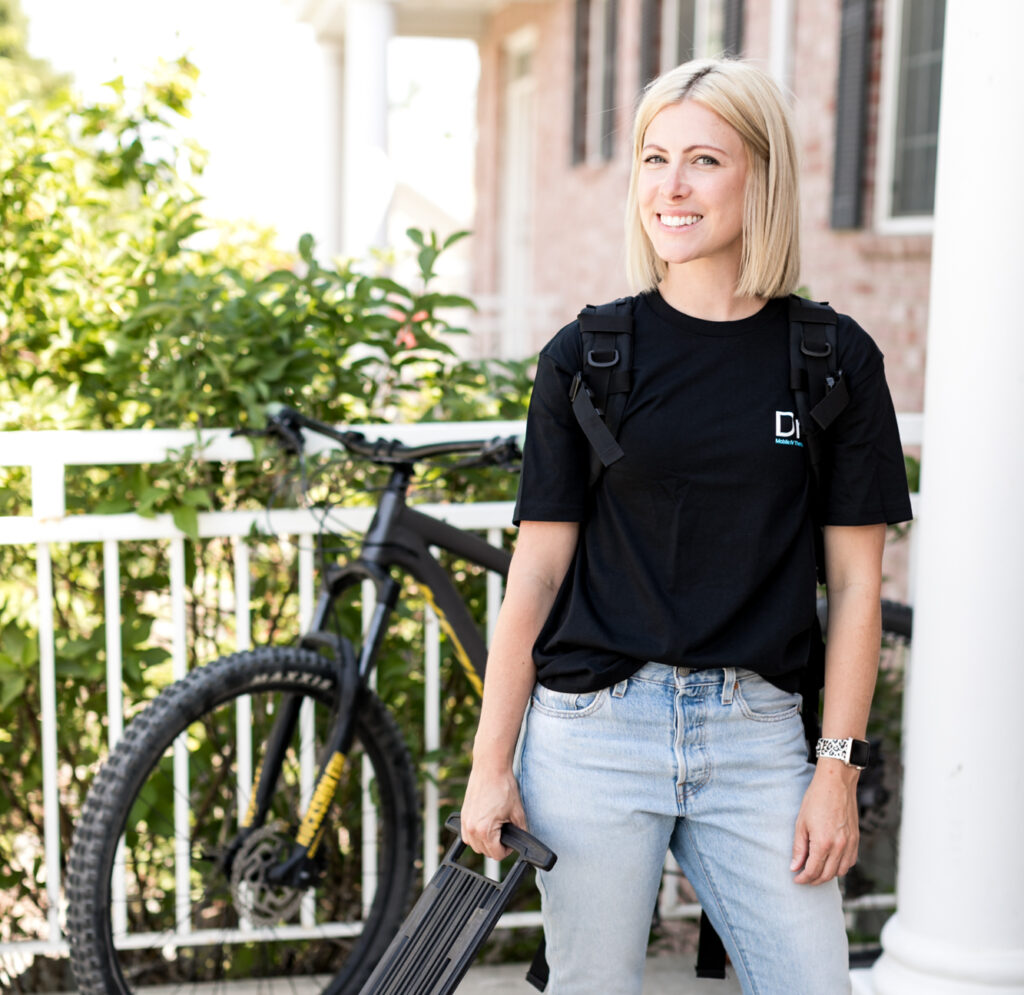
x=696, y=548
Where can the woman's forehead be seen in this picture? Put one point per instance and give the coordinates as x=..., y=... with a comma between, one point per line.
x=686, y=123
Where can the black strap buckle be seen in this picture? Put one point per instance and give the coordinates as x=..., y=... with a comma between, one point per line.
x=574, y=387
x=602, y=364
x=814, y=354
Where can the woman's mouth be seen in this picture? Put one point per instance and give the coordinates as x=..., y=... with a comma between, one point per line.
x=679, y=220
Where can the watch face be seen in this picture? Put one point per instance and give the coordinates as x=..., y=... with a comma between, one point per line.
x=859, y=753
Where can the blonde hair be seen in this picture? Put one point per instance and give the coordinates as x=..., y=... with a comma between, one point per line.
x=749, y=100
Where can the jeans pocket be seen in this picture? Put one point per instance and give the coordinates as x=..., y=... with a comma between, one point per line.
x=567, y=704
x=762, y=701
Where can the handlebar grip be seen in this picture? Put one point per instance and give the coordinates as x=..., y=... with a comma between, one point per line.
x=528, y=847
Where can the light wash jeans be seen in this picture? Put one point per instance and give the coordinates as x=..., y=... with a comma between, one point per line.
x=710, y=764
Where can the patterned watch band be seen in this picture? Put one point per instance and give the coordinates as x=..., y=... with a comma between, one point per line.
x=851, y=752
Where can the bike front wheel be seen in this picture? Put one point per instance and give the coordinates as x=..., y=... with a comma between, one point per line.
x=153, y=897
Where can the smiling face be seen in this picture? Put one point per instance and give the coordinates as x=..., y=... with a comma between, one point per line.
x=690, y=189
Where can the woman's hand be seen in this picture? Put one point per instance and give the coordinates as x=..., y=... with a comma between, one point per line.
x=827, y=830
x=492, y=799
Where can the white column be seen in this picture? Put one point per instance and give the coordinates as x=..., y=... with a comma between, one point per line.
x=331, y=230
x=781, y=57
x=959, y=925
x=368, y=176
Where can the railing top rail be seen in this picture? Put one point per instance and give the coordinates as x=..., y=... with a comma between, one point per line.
x=128, y=446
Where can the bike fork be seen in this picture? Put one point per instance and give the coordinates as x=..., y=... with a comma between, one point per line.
x=299, y=868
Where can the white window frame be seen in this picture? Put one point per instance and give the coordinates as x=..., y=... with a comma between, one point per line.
x=884, y=222
x=708, y=29
x=517, y=192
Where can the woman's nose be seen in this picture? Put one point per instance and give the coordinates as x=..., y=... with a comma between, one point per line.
x=675, y=183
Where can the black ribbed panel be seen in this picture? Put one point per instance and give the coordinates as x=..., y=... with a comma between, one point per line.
x=851, y=114
x=422, y=960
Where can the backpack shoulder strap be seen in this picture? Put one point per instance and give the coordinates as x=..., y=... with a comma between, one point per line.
x=600, y=389
x=819, y=390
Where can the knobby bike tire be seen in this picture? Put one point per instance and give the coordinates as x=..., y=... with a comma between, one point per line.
x=140, y=885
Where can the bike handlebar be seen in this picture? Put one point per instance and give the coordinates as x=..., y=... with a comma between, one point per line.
x=286, y=424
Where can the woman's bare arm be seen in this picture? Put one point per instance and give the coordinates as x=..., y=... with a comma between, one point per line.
x=542, y=556
x=827, y=833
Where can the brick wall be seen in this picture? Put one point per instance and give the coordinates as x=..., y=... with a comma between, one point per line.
x=577, y=254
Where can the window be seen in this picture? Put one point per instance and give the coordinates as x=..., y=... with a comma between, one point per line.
x=674, y=31
x=593, y=119
x=910, y=121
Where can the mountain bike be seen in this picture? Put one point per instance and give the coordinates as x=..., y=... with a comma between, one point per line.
x=259, y=819
x=197, y=858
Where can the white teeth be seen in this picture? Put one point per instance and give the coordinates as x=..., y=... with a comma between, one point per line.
x=680, y=221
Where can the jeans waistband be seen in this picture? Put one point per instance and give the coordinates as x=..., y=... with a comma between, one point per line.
x=665, y=673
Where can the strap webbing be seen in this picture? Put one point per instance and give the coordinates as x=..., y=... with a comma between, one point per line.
x=710, y=951
x=537, y=975
x=597, y=432
x=600, y=389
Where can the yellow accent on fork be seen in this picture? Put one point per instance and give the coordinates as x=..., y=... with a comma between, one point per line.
x=312, y=821
x=250, y=812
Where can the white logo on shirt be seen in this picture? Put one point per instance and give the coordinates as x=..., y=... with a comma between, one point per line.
x=787, y=429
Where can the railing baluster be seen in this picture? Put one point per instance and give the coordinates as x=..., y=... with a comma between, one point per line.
x=179, y=667
x=243, y=707
x=307, y=717
x=48, y=708
x=369, y=875
x=115, y=711
x=431, y=739
x=495, y=590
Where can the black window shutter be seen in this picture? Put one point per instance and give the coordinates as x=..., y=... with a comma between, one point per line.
x=851, y=114
x=611, y=24
x=579, y=82
x=732, y=34
x=650, y=41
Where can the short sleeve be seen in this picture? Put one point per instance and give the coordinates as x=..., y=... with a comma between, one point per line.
x=553, y=483
x=867, y=482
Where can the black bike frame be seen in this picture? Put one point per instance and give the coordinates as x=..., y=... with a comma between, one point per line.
x=399, y=537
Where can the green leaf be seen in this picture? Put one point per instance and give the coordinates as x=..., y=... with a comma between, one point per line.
x=455, y=237
x=186, y=518
x=11, y=688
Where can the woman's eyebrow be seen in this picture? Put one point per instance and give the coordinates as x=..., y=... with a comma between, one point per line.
x=689, y=148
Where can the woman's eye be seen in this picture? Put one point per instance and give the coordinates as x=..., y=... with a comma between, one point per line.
x=707, y=160
x=655, y=159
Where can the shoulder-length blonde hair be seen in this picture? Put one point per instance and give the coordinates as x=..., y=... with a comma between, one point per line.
x=749, y=100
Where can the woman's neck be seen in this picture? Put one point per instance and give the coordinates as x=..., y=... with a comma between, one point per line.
x=700, y=295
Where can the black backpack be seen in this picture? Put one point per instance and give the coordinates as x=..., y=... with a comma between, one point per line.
x=598, y=396
x=600, y=390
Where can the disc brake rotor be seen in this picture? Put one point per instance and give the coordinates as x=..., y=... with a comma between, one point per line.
x=256, y=898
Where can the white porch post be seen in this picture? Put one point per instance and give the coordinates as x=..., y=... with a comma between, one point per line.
x=333, y=53
x=959, y=927
x=368, y=179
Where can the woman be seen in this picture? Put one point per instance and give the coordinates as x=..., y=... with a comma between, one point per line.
x=656, y=626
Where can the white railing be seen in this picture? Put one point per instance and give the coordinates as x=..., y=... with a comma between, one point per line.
x=50, y=454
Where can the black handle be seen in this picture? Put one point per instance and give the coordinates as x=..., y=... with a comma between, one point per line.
x=528, y=847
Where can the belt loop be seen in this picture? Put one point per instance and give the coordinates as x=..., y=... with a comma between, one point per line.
x=728, y=683
x=619, y=690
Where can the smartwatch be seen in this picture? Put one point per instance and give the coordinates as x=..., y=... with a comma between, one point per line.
x=852, y=752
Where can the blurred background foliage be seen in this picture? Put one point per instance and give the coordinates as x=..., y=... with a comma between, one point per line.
x=121, y=307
